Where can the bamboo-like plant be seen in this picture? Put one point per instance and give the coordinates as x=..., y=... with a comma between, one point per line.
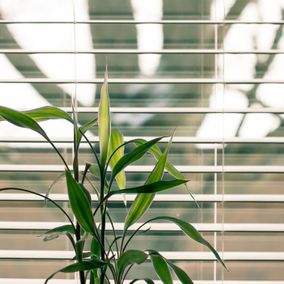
x=107, y=258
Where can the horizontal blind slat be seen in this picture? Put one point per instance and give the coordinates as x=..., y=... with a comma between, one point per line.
x=141, y=81
x=176, y=255
x=146, y=169
x=176, y=139
x=146, y=22
x=252, y=198
x=180, y=51
x=179, y=110
x=157, y=227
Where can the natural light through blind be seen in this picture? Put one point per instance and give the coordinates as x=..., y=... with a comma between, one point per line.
x=212, y=69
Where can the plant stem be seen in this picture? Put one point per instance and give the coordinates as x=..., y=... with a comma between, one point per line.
x=78, y=238
x=44, y=197
x=91, y=278
x=76, y=176
x=103, y=221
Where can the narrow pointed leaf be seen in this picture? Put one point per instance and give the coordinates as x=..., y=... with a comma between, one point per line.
x=140, y=205
x=143, y=201
x=182, y=276
x=61, y=230
x=86, y=255
x=87, y=193
x=133, y=156
x=116, y=141
x=150, y=188
x=48, y=112
x=78, y=266
x=75, y=139
x=88, y=125
x=104, y=121
x=172, y=170
x=156, y=152
x=161, y=267
x=95, y=247
x=79, y=247
x=80, y=204
x=130, y=257
x=190, y=231
x=84, y=128
x=95, y=170
x=22, y=120
x=83, y=266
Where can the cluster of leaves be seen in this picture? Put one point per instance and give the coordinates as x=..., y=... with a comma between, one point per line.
x=107, y=258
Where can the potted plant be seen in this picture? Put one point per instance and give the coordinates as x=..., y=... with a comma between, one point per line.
x=107, y=258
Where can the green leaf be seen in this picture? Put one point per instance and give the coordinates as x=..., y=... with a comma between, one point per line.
x=83, y=266
x=182, y=276
x=143, y=201
x=80, y=204
x=161, y=267
x=95, y=170
x=190, y=231
x=96, y=277
x=78, y=266
x=22, y=120
x=88, y=125
x=150, y=188
x=104, y=121
x=84, y=128
x=95, y=247
x=48, y=112
x=133, y=156
x=157, y=153
x=116, y=140
x=172, y=170
x=84, y=255
x=147, y=280
x=130, y=257
x=79, y=248
x=55, y=232
x=87, y=193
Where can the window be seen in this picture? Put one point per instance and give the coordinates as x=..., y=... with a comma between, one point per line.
x=211, y=69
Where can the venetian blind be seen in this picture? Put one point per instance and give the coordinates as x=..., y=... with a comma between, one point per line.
x=210, y=69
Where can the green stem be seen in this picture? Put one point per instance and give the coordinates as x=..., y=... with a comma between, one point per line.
x=57, y=151
x=44, y=197
x=87, y=166
x=103, y=221
x=123, y=248
x=92, y=148
x=125, y=274
x=91, y=278
x=76, y=176
x=114, y=234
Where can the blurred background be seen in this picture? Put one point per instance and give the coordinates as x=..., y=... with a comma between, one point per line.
x=212, y=70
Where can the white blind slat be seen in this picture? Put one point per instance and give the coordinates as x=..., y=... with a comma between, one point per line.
x=161, y=22
x=181, y=256
x=157, y=227
x=142, y=81
x=137, y=51
x=257, y=198
x=147, y=169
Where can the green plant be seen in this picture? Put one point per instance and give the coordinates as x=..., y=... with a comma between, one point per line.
x=107, y=257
